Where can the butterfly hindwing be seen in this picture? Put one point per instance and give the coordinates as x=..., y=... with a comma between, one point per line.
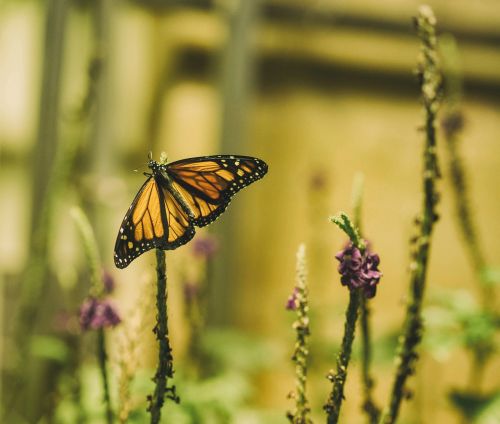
x=180, y=227
x=208, y=183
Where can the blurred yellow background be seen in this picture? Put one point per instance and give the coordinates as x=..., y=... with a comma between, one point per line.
x=321, y=91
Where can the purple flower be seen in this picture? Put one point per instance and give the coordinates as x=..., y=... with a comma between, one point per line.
x=96, y=313
x=318, y=180
x=205, y=247
x=108, y=281
x=191, y=291
x=292, y=302
x=453, y=123
x=359, y=270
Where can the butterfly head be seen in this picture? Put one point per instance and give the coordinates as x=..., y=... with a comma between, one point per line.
x=157, y=167
x=154, y=166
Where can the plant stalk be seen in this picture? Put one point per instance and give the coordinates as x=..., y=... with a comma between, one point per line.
x=165, y=360
x=372, y=411
x=338, y=379
x=430, y=79
x=102, y=357
x=369, y=406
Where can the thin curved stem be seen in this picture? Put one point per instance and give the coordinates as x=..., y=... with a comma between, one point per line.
x=430, y=80
x=369, y=406
x=338, y=379
x=165, y=369
x=102, y=356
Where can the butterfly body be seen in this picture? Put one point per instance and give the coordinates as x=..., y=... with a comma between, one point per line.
x=178, y=196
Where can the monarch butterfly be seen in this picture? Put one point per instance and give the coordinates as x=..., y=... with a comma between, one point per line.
x=178, y=196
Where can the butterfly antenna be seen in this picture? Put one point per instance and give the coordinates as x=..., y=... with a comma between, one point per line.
x=142, y=166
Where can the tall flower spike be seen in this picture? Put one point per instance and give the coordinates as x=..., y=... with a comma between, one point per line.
x=359, y=270
x=298, y=302
x=430, y=84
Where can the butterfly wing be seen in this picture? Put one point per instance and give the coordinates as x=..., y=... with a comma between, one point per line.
x=207, y=183
x=154, y=220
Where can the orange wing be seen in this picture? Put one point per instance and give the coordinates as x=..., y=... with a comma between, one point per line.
x=179, y=196
x=207, y=183
x=154, y=220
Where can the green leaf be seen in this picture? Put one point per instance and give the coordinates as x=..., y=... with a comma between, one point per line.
x=455, y=318
x=476, y=407
x=49, y=347
x=491, y=412
x=345, y=224
x=385, y=347
x=491, y=276
x=232, y=350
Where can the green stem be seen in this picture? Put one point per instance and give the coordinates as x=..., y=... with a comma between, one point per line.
x=465, y=221
x=369, y=406
x=96, y=290
x=91, y=250
x=452, y=124
x=412, y=335
x=102, y=357
x=372, y=411
x=334, y=403
x=165, y=369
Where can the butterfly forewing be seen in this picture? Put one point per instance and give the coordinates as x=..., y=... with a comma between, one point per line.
x=208, y=183
x=155, y=220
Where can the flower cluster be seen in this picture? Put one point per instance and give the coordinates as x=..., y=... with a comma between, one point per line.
x=191, y=291
x=108, y=281
x=205, y=247
x=96, y=313
x=359, y=270
x=292, y=302
x=452, y=123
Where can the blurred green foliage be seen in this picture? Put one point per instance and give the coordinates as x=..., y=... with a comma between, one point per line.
x=224, y=396
x=456, y=320
x=477, y=408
